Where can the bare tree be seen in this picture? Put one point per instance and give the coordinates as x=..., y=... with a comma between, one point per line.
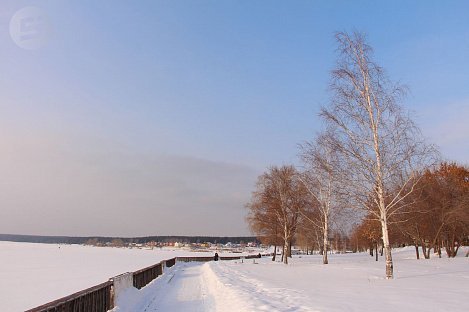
x=320, y=177
x=263, y=222
x=279, y=197
x=442, y=213
x=380, y=145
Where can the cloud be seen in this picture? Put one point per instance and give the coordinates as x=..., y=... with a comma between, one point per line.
x=55, y=185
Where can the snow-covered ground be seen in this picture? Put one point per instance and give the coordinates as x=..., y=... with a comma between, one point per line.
x=183, y=287
x=33, y=274
x=351, y=282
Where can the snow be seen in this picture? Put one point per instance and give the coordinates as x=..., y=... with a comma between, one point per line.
x=183, y=287
x=351, y=282
x=33, y=274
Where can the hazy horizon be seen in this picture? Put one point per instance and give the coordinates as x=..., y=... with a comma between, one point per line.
x=155, y=118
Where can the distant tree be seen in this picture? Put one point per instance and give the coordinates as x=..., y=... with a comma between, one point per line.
x=359, y=244
x=339, y=241
x=278, y=198
x=369, y=232
x=309, y=234
x=303, y=240
x=92, y=242
x=381, y=147
x=117, y=242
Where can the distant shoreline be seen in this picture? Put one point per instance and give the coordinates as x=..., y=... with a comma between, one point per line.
x=138, y=240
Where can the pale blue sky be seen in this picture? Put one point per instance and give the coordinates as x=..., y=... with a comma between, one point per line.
x=155, y=117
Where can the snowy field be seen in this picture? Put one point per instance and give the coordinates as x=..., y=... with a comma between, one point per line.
x=33, y=274
x=352, y=282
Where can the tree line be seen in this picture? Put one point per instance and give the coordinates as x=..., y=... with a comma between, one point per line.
x=369, y=163
x=125, y=240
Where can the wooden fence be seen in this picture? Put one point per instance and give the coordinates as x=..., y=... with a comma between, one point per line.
x=170, y=262
x=146, y=275
x=194, y=259
x=94, y=299
x=100, y=298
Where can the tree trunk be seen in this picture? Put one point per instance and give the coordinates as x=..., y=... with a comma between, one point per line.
x=387, y=248
x=417, y=251
x=456, y=251
x=376, y=251
x=325, y=242
x=285, y=252
x=318, y=242
x=275, y=253
x=286, y=240
x=426, y=251
x=371, y=250
x=451, y=248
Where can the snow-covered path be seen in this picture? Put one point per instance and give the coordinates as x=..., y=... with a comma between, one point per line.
x=213, y=286
x=186, y=290
x=182, y=288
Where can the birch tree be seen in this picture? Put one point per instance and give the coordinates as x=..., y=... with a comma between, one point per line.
x=320, y=178
x=381, y=146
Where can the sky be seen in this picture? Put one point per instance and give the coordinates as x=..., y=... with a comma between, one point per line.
x=127, y=118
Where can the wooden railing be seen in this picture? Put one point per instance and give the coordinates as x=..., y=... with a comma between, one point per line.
x=94, y=299
x=257, y=256
x=146, y=275
x=100, y=298
x=170, y=262
x=194, y=259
